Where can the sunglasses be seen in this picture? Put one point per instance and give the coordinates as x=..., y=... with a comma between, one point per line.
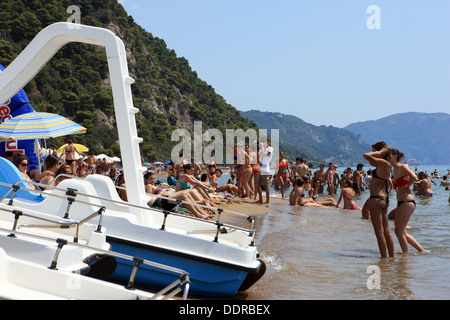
x=24, y=164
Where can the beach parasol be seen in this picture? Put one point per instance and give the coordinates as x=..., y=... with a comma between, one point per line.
x=104, y=156
x=158, y=163
x=79, y=147
x=38, y=125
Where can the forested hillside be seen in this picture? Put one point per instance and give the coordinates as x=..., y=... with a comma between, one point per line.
x=328, y=143
x=75, y=83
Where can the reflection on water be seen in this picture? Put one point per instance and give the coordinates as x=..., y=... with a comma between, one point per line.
x=323, y=253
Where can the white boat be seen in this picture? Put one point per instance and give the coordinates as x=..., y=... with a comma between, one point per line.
x=34, y=264
x=221, y=259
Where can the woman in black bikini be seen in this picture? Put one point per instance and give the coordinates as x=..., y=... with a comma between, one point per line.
x=69, y=151
x=379, y=198
x=404, y=177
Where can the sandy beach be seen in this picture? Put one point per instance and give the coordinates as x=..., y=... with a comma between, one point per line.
x=247, y=206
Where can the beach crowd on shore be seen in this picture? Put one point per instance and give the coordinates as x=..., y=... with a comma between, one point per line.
x=197, y=186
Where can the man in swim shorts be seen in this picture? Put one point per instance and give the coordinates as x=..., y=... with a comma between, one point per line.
x=263, y=177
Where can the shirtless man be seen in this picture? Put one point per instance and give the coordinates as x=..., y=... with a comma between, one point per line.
x=69, y=151
x=303, y=170
x=357, y=179
x=295, y=170
x=331, y=178
x=320, y=174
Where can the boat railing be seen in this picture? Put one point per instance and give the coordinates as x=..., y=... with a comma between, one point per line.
x=71, y=194
x=171, y=290
x=52, y=223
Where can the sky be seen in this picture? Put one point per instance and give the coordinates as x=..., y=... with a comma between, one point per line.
x=328, y=62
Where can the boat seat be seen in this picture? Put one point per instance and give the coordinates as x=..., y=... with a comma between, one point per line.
x=10, y=174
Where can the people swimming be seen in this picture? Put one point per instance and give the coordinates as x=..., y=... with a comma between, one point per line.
x=423, y=185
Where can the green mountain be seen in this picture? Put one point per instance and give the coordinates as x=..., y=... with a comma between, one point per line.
x=330, y=144
x=75, y=83
x=420, y=136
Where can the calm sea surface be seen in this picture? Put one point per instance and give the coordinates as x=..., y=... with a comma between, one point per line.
x=328, y=253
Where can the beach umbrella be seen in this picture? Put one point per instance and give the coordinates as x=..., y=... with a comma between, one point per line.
x=159, y=163
x=38, y=125
x=116, y=159
x=79, y=147
x=104, y=156
x=146, y=164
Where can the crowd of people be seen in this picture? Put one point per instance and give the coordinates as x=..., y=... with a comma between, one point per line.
x=389, y=175
x=197, y=185
x=250, y=177
x=66, y=164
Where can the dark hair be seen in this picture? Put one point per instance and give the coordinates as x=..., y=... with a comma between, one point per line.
x=187, y=166
x=397, y=153
x=203, y=177
x=19, y=158
x=148, y=174
x=360, y=165
x=218, y=170
x=51, y=161
x=379, y=145
x=300, y=181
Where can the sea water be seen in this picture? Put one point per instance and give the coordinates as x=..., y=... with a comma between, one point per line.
x=329, y=253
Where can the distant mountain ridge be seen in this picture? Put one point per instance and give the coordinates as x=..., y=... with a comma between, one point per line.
x=327, y=143
x=420, y=136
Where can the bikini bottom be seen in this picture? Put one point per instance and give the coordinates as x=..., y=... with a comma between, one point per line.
x=406, y=201
x=385, y=199
x=163, y=204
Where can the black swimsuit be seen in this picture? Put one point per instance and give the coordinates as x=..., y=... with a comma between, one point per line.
x=384, y=198
x=405, y=201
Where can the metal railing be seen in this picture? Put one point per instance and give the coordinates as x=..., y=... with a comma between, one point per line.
x=181, y=284
x=71, y=194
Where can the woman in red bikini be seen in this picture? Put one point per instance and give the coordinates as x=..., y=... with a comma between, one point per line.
x=283, y=173
x=379, y=197
x=404, y=177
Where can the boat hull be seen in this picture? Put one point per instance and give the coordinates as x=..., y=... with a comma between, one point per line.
x=208, y=277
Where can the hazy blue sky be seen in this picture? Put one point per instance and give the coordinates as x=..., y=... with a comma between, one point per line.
x=317, y=60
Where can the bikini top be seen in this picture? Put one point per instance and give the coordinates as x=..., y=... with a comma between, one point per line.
x=375, y=175
x=282, y=164
x=157, y=190
x=400, y=182
x=184, y=186
x=349, y=197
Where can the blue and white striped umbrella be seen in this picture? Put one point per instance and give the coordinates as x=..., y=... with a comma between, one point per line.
x=38, y=125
